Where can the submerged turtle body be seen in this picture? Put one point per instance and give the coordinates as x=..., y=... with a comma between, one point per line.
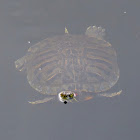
x=75, y=63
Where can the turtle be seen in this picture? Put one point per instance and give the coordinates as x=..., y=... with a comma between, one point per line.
x=71, y=68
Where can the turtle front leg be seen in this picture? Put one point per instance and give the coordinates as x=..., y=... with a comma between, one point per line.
x=41, y=101
x=111, y=94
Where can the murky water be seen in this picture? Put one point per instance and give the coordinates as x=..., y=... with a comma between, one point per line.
x=25, y=22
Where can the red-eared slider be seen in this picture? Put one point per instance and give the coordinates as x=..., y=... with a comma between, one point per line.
x=71, y=67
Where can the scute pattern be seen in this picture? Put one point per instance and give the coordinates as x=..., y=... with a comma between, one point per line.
x=71, y=62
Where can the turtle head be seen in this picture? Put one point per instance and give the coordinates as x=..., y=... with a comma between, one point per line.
x=67, y=96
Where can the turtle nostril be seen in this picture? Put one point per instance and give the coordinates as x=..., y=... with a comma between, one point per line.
x=65, y=102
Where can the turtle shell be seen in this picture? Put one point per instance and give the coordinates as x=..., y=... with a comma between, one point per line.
x=70, y=63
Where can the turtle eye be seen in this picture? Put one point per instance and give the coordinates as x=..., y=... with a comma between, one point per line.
x=71, y=95
x=62, y=95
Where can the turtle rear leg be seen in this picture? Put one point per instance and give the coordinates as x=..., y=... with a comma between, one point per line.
x=97, y=32
x=20, y=63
